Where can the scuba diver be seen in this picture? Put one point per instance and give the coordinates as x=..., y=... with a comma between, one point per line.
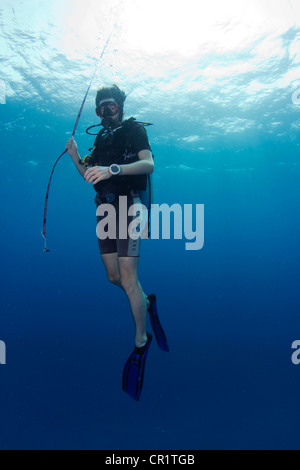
x=119, y=165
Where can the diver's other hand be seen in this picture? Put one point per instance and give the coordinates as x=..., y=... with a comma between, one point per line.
x=71, y=147
x=96, y=174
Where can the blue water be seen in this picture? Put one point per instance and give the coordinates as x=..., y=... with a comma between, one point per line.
x=226, y=135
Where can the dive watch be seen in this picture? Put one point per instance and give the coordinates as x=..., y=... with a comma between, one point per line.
x=115, y=169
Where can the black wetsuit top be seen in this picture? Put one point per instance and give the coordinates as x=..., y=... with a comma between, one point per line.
x=121, y=147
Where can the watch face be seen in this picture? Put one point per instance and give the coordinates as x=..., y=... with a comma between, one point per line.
x=115, y=170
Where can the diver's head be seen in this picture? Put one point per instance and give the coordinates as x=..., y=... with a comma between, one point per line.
x=110, y=105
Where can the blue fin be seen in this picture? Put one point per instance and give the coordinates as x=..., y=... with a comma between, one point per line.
x=134, y=370
x=156, y=325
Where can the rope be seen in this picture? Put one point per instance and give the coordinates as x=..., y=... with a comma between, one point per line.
x=44, y=229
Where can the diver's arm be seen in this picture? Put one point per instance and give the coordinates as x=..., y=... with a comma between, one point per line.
x=73, y=152
x=81, y=169
x=144, y=166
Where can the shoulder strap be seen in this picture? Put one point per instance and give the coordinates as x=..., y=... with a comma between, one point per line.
x=99, y=136
x=132, y=121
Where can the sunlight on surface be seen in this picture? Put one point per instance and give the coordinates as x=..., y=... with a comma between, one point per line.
x=152, y=39
x=200, y=26
x=200, y=54
x=193, y=27
x=170, y=33
x=160, y=27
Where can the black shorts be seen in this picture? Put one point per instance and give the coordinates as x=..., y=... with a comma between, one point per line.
x=116, y=230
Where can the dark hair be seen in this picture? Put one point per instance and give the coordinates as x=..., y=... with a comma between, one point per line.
x=112, y=92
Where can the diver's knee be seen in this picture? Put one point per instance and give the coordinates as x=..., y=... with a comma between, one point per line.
x=128, y=284
x=114, y=279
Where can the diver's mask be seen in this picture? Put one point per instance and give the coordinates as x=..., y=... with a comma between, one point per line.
x=107, y=109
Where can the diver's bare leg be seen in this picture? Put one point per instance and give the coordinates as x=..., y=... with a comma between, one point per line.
x=111, y=264
x=128, y=268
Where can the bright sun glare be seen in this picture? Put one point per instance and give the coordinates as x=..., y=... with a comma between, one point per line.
x=158, y=27
x=192, y=26
x=183, y=28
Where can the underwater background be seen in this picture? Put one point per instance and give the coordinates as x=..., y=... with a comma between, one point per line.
x=220, y=82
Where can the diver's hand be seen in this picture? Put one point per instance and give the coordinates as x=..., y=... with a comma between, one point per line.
x=71, y=148
x=96, y=174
